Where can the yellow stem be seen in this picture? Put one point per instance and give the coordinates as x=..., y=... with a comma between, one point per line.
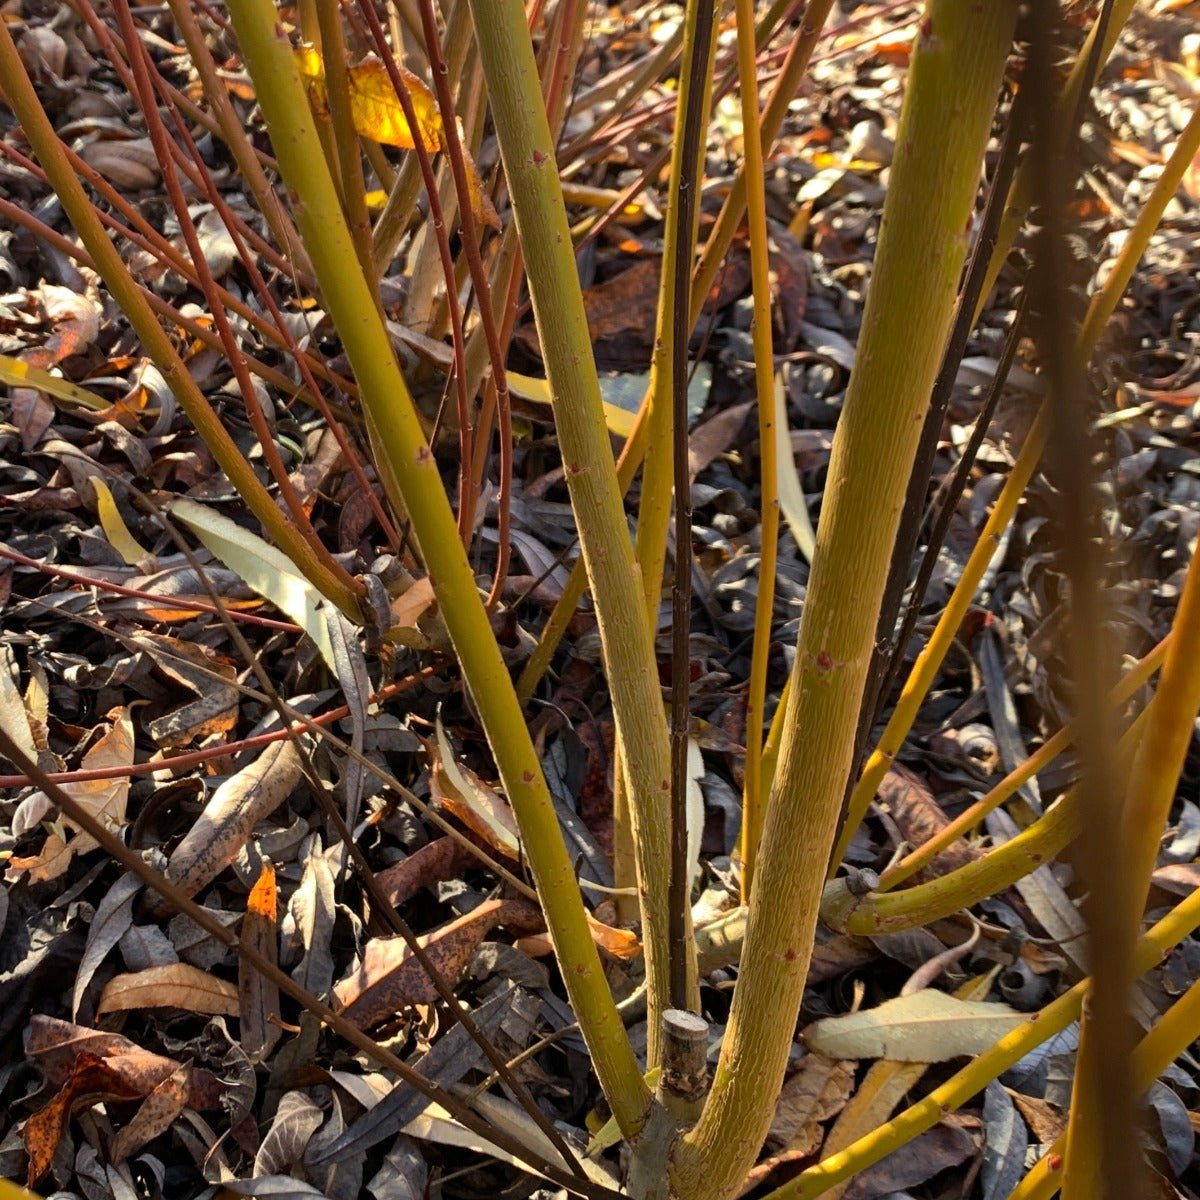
x=764, y=383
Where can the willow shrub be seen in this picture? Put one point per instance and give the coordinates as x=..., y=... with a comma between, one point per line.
x=690, y=1137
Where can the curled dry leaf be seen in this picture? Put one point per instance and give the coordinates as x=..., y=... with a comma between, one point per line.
x=391, y=979
x=156, y=1115
x=443, y=858
x=209, y=675
x=104, y=799
x=229, y=817
x=92, y=1080
x=459, y=789
x=176, y=985
x=620, y=943
x=131, y=166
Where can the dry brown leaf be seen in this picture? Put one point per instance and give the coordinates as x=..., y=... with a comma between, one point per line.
x=130, y=166
x=175, y=985
x=909, y=802
x=391, y=979
x=457, y=788
x=103, y=799
x=443, y=858
x=817, y=1091
x=91, y=1081
x=209, y=675
x=156, y=1114
x=229, y=817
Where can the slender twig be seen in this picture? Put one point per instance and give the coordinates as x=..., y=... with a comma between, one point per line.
x=452, y=143
x=768, y=466
x=438, y=223
x=24, y=103
x=686, y=204
x=140, y=68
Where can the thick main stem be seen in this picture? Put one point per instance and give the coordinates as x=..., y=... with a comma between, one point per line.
x=944, y=128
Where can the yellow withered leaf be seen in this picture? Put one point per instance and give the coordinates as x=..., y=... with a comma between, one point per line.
x=379, y=115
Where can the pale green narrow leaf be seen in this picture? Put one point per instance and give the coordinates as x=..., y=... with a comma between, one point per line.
x=791, y=495
x=926, y=1027
x=264, y=568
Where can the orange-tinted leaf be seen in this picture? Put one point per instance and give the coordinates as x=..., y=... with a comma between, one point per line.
x=56, y=1045
x=92, y=1080
x=620, y=943
x=379, y=115
x=457, y=788
x=258, y=997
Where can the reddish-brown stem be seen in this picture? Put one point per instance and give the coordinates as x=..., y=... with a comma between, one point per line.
x=163, y=308
x=194, y=758
x=118, y=62
x=264, y=294
x=143, y=235
x=437, y=218
x=163, y=145
x=167, y=602
x=452, y=144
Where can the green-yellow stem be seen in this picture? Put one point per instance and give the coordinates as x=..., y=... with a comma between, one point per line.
x=944, y=127
x=970, y=817
x=715, y=250
x=1048, y=836
x=1177, y=1029
x=972, y=1079
x=385, y=396
x=1101, y=308
x=626, y=642
x=764, y=386
x=654, y=506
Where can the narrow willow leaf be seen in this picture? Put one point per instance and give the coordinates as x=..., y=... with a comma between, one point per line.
x=927, y=1026
x=115, y=529
x=791, y=494
x=16, y=373
x=619, y=420
x=264, y=568
x=176, y=985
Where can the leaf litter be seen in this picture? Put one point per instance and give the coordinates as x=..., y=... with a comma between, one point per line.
x=115, y=674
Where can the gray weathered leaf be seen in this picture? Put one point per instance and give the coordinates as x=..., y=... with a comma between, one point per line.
x=350, y=666
x=1006, y=1142
x=404, y=1173
x=296, y=1120
x=114, y=916
x=446, y=1062
x=230, y=815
